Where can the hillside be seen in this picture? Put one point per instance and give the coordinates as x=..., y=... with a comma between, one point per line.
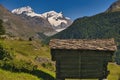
x=37, y=54
x=20, y=27
x=104, y=25
x=56, y=21
x=114, y=7
x=31, y=60
x=30, y=57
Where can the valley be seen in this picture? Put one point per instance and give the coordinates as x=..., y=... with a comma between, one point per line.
x=25, y=35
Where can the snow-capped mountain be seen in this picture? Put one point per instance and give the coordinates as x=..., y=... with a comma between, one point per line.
x=24, y=27
x=56, y=20
x=25, y=10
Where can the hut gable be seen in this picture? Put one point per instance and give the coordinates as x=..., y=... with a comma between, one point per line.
x=83, y=44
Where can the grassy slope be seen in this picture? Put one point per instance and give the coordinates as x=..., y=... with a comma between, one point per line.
x=6, y=75
x=27, y=50
x=114, y=71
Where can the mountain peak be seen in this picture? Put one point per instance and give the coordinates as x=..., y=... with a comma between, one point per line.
x=26, y=10
x=114, y=7
x=52, y=14
x=21, y=10
x=55, y=19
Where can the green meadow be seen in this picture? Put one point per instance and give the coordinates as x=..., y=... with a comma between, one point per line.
x=28, y=51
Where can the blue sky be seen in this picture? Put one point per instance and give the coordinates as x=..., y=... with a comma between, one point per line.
x=70, y=8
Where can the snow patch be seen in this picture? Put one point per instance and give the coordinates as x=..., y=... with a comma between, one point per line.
x=59, y=30
x=55, y=22
x=55, y=19
x=34, y=14
x=26, y=10
x=23, y=9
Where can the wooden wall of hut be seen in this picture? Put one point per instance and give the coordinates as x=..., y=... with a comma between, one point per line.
x=83, y=64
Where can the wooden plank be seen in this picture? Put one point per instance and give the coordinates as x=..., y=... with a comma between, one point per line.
x=82, y=64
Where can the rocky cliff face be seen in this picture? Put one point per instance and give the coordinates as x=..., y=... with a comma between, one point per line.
x=114, y=7
x=20, y=27
x=56, y=21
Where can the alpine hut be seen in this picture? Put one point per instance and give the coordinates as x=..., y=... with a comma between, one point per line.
x=81, y=58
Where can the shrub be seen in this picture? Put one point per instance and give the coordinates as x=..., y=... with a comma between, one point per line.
x=48, y=65
x=18, y=66
x=5, y=54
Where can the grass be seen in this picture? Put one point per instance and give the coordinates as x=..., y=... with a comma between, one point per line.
x=7, y=75
x=28, y=50
x=47, y=71
x=114, y=71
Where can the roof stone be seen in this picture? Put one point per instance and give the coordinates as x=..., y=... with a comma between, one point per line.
x=84, y=44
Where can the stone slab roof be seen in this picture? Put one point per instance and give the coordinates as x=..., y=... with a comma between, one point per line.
x=84, y=44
